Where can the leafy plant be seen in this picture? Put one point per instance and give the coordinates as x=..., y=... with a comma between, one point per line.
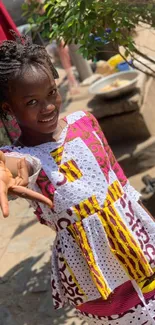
x=81, y=21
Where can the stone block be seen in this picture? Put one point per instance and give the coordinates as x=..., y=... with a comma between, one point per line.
x=130, y=117
x=148, y=107
x=130, y=102
x=124, y=128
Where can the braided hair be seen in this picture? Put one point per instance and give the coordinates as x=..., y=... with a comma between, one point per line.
x=16, y=55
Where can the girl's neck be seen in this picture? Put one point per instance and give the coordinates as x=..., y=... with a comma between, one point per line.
x=29, y=138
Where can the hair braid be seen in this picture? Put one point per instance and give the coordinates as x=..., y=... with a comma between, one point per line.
x=14, y=56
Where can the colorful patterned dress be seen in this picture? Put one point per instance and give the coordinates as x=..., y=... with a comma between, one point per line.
x=103, y=257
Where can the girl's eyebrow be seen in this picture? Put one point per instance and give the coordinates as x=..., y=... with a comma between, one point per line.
x=49, y=89
x=28, y=96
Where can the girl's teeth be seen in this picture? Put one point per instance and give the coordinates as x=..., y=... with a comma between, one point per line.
x=48, y=120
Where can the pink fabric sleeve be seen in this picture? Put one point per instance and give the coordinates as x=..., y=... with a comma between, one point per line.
x=113, y=162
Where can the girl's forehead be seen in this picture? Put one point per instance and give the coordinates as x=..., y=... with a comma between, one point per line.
x=36, y=73
x=32, y=78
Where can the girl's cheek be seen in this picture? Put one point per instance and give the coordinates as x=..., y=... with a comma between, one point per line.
x=58, y=100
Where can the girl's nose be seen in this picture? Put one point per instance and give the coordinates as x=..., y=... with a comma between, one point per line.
x=47, y=107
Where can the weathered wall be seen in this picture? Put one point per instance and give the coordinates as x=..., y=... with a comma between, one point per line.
x=14, y=9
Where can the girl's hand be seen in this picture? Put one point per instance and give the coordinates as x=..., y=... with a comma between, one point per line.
x=17, y=185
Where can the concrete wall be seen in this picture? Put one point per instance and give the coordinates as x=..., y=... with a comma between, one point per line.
x=14, y=9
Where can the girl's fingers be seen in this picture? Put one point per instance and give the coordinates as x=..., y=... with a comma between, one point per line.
x=18, y=181
x=23, y=175
x=30, y=195
x=3, y=199
x=19, y=168
x=2, y=157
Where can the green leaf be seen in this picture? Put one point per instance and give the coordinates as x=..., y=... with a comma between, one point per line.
x=24, y=6
x=126, y=53
x=49, y=12
x=131, y=47
x=68, y=14
x=150, y=6
x=63, y=4
x=55, y=27
x=30, y=20
x=69, y=21
x=46, y=6
x=82, y=6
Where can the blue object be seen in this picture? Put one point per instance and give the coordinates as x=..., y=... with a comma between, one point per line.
x=124, y=66
x=98, y=38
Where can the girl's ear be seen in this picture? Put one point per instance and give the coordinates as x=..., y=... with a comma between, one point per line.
x=6, y=107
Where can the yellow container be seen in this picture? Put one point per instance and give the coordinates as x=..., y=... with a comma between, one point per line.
x=115, y=60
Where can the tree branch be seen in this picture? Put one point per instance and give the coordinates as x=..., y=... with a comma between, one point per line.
x=137, y=68
x=143, y=55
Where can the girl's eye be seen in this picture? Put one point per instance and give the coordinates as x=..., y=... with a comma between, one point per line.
x=32, y=102
x=52, y=92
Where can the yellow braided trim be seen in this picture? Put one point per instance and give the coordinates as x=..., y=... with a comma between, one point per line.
x=92, y=205
x=116, y=190
x=57, y=154
x=96, y=274
x=115, y=222
x=118, y=227
x=148, y=287
x=69, y=169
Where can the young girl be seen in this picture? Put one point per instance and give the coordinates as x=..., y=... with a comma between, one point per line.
x=103, y=258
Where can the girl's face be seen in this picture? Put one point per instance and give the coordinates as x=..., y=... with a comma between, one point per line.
x=35, y=101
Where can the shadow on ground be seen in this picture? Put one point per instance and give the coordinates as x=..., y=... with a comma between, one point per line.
x=23, y=227
x=150, y=204
x=25, y=297
x=139, y=162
